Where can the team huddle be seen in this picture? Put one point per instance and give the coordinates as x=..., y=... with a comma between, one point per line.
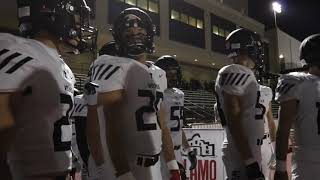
x=127, y=125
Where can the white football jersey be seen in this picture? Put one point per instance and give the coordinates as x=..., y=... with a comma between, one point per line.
x=143, y=96
x=79, y=121
x=240, y=81
x=173, y=103
x=43, y=138
x=265, y=97
x=305, y=88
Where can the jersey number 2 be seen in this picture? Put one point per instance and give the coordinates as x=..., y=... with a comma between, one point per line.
x=150, y=108
x=59, y=125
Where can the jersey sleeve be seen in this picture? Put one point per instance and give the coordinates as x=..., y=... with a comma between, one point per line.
x=15, y=66
x=234, y=80
x=287, y=88
x=109, y=73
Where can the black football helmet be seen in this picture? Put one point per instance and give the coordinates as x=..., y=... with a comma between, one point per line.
x=135, y=44
x=310, y=50
x=109, y=48
x=172, y=68
x=69, y=20
x=242, y=41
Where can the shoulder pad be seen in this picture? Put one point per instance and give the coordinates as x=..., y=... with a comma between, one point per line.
x=235, y=75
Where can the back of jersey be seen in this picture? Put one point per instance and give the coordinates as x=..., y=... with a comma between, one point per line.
x=174, y=103
x=305, y=88
x=41, y=108
x=240, y=81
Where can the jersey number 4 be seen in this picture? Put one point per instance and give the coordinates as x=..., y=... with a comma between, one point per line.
x=62, y=129
x=150, y=108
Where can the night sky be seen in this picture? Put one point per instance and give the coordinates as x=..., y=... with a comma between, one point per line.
x=299, y=18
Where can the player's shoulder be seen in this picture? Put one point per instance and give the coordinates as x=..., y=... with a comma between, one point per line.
x=289, y=85
x=107, y=59
x=19, y=53
x=294, y=77
x=235, y=68
x=154, y=68
x=235, y=75
x=265, y=89
x=16, y=45
x=178, y=91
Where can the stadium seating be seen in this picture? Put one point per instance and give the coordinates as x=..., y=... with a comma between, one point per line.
x=199, y=104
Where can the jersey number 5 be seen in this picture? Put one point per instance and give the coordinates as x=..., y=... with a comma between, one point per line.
x=150, y=108
x=176, y=118
x=62, y=129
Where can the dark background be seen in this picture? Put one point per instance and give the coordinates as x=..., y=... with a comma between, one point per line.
x=299, y=18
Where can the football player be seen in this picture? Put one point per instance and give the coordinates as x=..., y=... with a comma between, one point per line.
x=236, y=90
x=130, y=94
x=173, y=103
x=36, y=87
x=264, y=110
x=299, y=97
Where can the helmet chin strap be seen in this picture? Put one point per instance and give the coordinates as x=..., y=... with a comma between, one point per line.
x=136, y=49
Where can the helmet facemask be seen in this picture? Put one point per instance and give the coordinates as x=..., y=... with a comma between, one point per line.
x=133, y=33
x=136, y=40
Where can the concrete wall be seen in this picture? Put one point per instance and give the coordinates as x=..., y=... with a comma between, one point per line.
x=239, y=5
x=289, y=48
x=274, y=62
x=199, y=73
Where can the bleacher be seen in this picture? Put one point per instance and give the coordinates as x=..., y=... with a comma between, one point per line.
x=202, y=102
x=199, y=106
x=80, y=80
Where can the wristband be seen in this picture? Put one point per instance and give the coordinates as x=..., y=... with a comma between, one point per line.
x=173, y=165
x=91, y=99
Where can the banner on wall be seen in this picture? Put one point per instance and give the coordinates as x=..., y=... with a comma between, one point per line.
x=208, y=144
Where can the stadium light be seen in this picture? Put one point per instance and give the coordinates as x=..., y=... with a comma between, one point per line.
x=276, y=9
